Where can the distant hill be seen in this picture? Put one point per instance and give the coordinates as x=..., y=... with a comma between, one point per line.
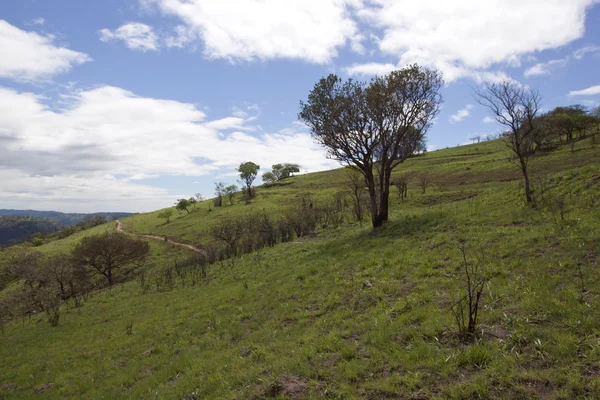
x=17, y=228
x=65, y=219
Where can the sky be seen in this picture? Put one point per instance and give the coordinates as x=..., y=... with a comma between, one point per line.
x=128, y=105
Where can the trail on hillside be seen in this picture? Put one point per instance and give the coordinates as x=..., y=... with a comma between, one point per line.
x=161, y=238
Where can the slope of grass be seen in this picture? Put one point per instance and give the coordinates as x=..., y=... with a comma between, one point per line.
x=351, y=312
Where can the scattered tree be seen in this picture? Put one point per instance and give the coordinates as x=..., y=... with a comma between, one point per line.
x=219, y=193
x=269, y=178
x=199, y=197
x=402, y=186
x=423, y=182
x=515, y=107
x=166, y=215
x=183, y=204
x=248, y=171
x=374, y=126
x=282, y=171
x=108, y=252
x=356, y=185
x=230, y=192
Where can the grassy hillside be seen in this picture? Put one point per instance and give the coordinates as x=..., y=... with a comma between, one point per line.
x=351, y=312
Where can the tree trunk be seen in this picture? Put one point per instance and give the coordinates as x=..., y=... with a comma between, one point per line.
x=528, y=192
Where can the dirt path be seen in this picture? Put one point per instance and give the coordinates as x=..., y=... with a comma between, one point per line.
x=161, y=238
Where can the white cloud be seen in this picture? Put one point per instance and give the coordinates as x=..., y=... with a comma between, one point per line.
x=488, y=120
x=28, y=56
x=109, y=134
x=38, y=21
x=370, y=69
x=591, y=91
x=137, y=36
x=580, y=53
x=461, y=114
x=310, y=30
x=183, y=36
x=464, y=37
x=537, y=69
x=545, y=68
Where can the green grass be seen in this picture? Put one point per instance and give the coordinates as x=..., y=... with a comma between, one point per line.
x=351, y=312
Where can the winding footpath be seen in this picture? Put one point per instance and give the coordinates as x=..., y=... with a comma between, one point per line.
x=161, y=238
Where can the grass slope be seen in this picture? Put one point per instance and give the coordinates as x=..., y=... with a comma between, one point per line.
x=353, y=313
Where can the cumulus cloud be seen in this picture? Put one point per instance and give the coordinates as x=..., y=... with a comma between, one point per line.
x=591, y=91
x=29, y=56
x=108, y=133
x=310, y=30
x=473, y=34
x=461, y=114
x=488, y=120
x=135, y=35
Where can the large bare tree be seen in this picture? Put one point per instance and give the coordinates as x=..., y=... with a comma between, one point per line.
x=516, y=108
x=374, y=126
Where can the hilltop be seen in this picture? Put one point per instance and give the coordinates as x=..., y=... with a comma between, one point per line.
x=346, y=311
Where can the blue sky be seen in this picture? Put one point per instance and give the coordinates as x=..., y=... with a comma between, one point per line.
x=128, y=105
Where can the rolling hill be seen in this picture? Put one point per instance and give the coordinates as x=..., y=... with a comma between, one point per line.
x=348, y=312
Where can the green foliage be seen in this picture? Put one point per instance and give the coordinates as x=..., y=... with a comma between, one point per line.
x=248, y=171
x=230, y=192
x=183, y=204
x=166, y=214
x=344, y=312
x=269, y=178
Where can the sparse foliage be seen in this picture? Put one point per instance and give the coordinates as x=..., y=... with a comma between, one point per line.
x=374, y=126
x=109, y=252
x=230, y=192
x=516, y=108
x=166, y=215
x=466, y=309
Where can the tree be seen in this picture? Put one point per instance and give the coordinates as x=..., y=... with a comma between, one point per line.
x=199, y=197
x=269, y=178
x=376, y=126
x=229, y=231
x=282, y=171
x=183, y=204
x=166, y=214
x=516, y=107
x=94, y=220
x=230, y=192
x=248, y=171
x=356, y=184
x=219, y=193
x=108, y=252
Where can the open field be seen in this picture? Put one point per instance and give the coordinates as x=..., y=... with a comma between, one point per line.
x=350, y=312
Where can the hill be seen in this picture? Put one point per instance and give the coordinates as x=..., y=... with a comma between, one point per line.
x=348, y=312
x=65, y=219
x=15, y=229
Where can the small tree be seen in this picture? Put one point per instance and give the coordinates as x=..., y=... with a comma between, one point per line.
x=248, y=171
x=229, y=231
x=423, y=182
x=108, y=252
x=230, y=193
x=282, y=171
x=356, y=184
x=515, y=107
x=199, y=197
x=374, y=127
x=219, y=193
x=183, y=204
x=269, y=178
x=166, y=215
